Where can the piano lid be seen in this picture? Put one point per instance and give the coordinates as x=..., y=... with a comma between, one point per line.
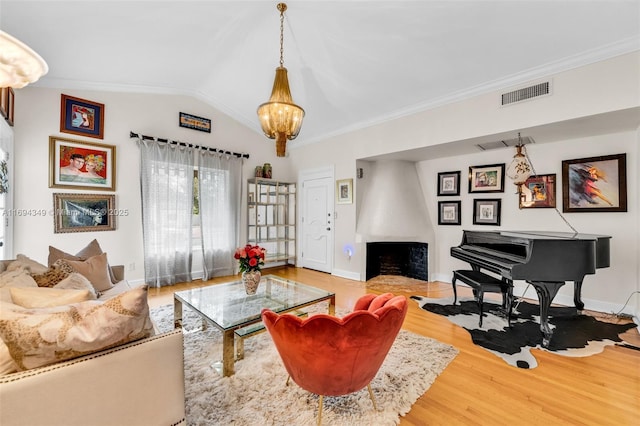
x=546, y=235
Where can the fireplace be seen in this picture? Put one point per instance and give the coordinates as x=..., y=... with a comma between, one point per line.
x=408, y=259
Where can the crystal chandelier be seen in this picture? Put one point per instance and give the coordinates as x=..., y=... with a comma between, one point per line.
x=19, y=64
x=280, y=118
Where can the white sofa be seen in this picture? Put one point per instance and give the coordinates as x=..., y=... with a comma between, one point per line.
x=138, y=383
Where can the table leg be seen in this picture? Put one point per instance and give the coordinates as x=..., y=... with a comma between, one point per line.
x=177, y=313
x=332, y=305
x=228, y=356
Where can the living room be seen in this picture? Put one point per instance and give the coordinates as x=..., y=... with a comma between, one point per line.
x=574, y=121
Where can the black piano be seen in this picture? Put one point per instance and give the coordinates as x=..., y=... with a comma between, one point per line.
x=544, y=259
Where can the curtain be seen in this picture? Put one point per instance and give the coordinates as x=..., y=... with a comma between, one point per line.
x=166, y=183
x=220, y=180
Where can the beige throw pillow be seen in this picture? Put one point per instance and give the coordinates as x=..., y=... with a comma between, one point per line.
x=95, y=269
x=38, y=337
x=42, y=297
x=25, y=262
x=92, y=249
x=76, y=281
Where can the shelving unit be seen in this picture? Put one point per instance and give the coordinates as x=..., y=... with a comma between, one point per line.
x=271, y=218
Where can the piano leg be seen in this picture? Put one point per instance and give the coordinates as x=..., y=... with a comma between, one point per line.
x=546, y=292
x=577, y=295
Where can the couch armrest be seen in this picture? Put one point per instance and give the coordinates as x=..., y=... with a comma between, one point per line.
x=141, y=382
x=118, y=272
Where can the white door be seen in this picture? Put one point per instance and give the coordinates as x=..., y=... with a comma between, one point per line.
x=317, y=223
x=6, y=190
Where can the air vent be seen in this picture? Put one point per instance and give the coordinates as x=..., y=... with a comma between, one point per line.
x=526, y=93
x=501, y=144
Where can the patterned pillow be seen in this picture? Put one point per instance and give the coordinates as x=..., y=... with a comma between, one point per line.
x=38, y=337
x=56, y=273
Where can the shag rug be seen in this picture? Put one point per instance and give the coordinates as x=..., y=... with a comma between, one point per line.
x=257, y=395
x=574, y=335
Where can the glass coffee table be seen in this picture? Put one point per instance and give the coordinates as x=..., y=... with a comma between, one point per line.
x=229, y=308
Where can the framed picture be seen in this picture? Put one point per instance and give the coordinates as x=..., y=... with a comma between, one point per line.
x=83, y=212
x=486, y=211
x=539, y=192
x=11, y=100
x=449, y=183
x=80, y=164
x=488, y=178
x=4, y=101
x=448, y=212
x=194, y=122
x=81, y=117
x=595, y=184
x=344, y=191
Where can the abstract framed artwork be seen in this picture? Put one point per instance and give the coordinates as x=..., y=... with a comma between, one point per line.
x=80, y=164
x=539, y=191
x=81, y=117
x=194, y=122
x=344, y=191
x=486, y=211
x=449, y=212
x=84, y=212
x=487, y=178
x=449, y=183
x=595, y=184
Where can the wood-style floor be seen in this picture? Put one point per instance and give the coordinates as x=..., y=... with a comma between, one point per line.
x=478, y=388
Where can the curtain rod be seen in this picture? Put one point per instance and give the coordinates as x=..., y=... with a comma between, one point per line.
x=206, y=148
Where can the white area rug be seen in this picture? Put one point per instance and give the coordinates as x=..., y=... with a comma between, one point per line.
x=257, y=395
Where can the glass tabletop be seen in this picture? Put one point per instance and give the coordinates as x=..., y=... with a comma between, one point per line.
x=228, y=306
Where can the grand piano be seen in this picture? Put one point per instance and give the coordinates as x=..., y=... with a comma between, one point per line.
x=546, y=260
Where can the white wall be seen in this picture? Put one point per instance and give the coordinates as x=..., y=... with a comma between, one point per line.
x=37, y=116
x=598, y=88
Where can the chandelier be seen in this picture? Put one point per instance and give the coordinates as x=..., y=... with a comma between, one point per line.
x=280, y=118
x=19, y=64
x=520, y=168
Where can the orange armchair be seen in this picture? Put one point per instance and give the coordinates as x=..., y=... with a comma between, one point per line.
x=333, y=356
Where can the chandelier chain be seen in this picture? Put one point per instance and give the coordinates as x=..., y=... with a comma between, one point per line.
x=281, y=38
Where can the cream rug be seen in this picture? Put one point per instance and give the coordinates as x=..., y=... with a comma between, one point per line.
x=257, y=395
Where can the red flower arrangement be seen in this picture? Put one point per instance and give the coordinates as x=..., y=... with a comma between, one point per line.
x=250, y=258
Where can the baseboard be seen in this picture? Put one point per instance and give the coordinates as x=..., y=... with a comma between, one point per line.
x=346, y=274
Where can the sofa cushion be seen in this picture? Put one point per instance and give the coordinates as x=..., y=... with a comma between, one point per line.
x=56, y=273
x=92, y=249
x=25, y=262
x=76, y=281
x=43, y=336
x=17, y=278
x=95, y=269
x=43, y=297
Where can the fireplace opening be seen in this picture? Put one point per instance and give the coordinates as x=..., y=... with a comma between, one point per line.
x=407, y=259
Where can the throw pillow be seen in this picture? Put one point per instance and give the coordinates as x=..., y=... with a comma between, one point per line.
x=92, y=249
x=56, y=273
x=38, y=337
x=95, y=269
x=42, y=297
x=76, y=281
x=29, y=264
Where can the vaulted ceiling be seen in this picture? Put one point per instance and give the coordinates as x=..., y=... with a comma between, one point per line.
x=351, y=63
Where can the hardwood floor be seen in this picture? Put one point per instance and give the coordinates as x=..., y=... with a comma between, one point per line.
x=478, y=388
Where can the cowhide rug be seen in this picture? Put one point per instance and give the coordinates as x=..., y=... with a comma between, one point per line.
x=575, y=335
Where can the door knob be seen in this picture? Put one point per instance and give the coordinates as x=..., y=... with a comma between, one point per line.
x=328, y=229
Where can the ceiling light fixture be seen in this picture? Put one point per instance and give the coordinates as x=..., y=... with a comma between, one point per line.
x=19, y=64
x=520, y=168
x=280, y=118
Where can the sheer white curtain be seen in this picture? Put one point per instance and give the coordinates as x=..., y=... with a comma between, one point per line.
x=220, y=180
x=166, y=181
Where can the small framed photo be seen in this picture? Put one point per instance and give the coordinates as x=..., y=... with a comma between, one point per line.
x=80, y=164
x=449, y=183
x=448, y=212
x=81, y=117
x=486, y=211
x=4, y=102
x=488, y=178
x=11, y=100
x=194, y=122
x=344, y=191
x=83, y=212
x=539, y=192
x=595, y=184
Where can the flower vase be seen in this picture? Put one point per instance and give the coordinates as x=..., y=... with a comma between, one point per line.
x=251, y=279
